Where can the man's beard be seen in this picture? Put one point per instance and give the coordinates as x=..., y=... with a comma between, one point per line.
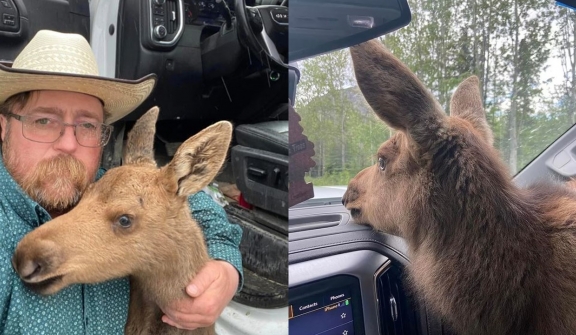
x=56, y=183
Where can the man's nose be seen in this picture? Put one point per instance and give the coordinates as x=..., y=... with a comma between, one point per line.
x=67, y=141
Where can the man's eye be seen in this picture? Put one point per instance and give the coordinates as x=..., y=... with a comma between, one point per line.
x=88, y=126
x=43, y=121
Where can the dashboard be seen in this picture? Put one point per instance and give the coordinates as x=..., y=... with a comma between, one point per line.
x=201, y=61
x=347, y=279
x=166, y=16
x=197, y=11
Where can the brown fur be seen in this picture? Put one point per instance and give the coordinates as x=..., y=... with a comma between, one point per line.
x=487, y=256
x=163, y=248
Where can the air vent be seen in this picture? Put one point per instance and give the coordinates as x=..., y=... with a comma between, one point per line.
x=314, y=222
x=398, y=314
x=172, y=18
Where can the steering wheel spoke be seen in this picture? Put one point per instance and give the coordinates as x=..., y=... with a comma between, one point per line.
x=264, y=30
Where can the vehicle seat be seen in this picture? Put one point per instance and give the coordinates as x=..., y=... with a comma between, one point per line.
x=268, y=136
x=260, y=165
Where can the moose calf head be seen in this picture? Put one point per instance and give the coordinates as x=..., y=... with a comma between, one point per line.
x=428, y=149
x=127, y=219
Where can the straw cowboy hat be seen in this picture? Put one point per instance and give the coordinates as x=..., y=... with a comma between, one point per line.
x=65, y=62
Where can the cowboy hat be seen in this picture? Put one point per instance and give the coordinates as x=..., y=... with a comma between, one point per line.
x=65, y=62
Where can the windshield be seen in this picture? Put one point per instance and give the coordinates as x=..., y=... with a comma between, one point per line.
x=523, y=51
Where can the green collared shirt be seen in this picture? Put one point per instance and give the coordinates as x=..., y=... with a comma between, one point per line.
x=83, y=309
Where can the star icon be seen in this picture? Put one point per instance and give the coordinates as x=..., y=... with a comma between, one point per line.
x=345, y=332
x=343, y=315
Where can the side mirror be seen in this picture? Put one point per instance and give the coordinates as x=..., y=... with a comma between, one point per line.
x=320, y=26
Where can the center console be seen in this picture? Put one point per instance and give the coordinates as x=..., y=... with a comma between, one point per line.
x=348, y=279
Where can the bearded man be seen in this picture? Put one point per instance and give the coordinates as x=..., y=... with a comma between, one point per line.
x=55, y=116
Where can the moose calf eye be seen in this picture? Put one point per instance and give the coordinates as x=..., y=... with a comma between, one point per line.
x=124, y=221
x=381, y=163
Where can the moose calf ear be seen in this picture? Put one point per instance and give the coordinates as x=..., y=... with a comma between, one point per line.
x=395, y=94
x=140, y=144
x=199, y=159
x=467, y=104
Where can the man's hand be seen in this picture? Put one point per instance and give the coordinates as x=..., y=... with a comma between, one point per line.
x=210, y=291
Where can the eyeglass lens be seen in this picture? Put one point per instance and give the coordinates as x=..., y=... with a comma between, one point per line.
x=48, y=130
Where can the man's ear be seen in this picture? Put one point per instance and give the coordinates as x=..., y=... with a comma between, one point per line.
x=3, y=126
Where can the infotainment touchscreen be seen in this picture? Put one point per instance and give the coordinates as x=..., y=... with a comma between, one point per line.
x=328, y=307
x=326, y=314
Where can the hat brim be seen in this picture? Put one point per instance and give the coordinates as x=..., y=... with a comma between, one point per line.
x=120, y=96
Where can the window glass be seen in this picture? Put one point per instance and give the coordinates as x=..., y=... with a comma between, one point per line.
x=523, y=51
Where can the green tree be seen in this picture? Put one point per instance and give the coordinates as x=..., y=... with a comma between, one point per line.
x=324, y=108
x=524, y=55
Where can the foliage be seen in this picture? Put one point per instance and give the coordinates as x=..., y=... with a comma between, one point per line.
x=515, y=48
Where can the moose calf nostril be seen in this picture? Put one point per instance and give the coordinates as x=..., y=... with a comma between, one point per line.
x=29, y=269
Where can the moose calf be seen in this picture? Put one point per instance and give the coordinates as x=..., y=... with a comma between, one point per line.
x=487, y=256
x=135, y=221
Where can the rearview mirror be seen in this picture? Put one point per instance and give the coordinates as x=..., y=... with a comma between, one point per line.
x=320, y=26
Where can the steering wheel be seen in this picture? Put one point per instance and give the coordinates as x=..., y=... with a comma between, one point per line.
x=264, y=30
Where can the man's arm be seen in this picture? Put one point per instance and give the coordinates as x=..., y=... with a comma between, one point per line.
x=222, y=237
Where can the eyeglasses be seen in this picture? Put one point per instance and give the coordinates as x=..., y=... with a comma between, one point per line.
x=48, y=130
